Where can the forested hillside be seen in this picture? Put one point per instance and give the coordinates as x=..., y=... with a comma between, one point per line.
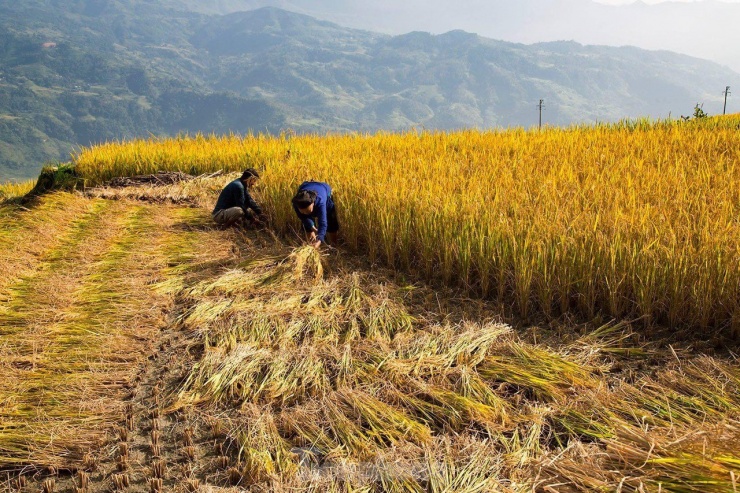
x=87, y=71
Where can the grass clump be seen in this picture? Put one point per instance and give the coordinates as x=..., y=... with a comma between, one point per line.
x=11, y=191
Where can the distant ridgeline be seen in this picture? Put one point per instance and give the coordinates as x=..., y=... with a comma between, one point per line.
x=88, y=71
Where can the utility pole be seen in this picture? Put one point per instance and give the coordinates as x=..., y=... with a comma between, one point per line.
x=727, y=93
x=541, y=107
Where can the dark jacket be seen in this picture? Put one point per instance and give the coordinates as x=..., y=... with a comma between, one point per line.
x=321, y=205
x=235, y=194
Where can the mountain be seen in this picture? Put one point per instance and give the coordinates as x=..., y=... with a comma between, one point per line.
x=356, y=80
x=76, y=72
x=705, y=29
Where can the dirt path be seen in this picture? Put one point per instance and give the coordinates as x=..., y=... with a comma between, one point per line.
x=86, y=344
x=160, y=450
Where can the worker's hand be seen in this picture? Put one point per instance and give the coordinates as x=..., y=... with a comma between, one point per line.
x=312, y=237
x=316, y=244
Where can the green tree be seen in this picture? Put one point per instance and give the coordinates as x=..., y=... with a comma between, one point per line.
x=699, y=111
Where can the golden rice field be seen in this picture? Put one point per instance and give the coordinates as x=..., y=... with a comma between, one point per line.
x=12, y=190
x=143, y=350
x=634, y=220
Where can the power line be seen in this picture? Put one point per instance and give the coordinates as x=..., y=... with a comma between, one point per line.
x=727, y=93
x=541, y=107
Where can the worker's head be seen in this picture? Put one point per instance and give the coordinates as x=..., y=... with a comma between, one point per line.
x=304, y=201
x=250, y=177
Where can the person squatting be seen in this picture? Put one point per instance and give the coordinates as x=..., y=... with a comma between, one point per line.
x=235, y=206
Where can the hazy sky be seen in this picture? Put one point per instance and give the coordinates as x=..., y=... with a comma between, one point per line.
x=622, y=2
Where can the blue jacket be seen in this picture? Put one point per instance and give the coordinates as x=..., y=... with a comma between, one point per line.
x=235, y=194
x=320, y=206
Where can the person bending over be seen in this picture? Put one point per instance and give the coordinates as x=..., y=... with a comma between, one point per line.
x=314, y=206
x=234, y=202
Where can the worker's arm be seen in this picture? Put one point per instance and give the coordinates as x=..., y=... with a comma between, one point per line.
x=306, y=221
x=323, y=222
x=249, y=203
x=240, y=197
